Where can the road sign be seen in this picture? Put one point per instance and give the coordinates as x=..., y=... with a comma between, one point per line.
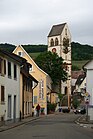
x=87, y=94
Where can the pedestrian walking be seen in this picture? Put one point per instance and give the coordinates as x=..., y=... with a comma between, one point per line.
x=32, y=111
x=38, y=109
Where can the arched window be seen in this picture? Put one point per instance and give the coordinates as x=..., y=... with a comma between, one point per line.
x=52, y=42
x=66, y=90
x=65, y=31
x=56, y=41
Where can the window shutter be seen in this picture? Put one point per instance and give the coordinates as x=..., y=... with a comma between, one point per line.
x=4, y=66
x=2, y=93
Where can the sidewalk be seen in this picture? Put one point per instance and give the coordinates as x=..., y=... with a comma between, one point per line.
x=23, y=121
x=82, y=121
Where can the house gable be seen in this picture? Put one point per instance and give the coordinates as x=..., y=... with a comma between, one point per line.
x=26, y=55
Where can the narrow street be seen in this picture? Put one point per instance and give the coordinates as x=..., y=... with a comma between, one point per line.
x=59, y=126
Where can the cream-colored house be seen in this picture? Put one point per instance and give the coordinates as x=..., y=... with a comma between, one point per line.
x=59, y=41
x=44, y=81
x=26, y=91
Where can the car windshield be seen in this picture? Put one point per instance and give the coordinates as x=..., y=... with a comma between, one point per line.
x=81, y=107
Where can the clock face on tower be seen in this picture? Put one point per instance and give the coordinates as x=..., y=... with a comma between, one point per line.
x=54, y=50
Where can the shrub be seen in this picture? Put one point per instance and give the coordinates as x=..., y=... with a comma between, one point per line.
x=51, y=107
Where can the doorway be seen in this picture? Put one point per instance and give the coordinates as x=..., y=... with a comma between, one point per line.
x=14, y=108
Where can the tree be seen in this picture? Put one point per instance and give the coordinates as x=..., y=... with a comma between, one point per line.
x=60, y=96
x=75, y=102
x=52, y=64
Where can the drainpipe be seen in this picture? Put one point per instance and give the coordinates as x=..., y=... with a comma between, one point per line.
x=23, y=99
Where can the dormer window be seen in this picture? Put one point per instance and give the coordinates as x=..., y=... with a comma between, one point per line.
x=56, y=42
x=52, y=42
x=21, y=54
x=30, y=68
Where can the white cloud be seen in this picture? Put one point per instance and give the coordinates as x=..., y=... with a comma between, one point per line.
x=35, y=17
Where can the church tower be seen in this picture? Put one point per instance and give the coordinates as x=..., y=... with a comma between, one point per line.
x=59, y=41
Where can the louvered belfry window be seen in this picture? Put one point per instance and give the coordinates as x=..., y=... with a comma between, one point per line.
x=56, y=42
x=52, y=42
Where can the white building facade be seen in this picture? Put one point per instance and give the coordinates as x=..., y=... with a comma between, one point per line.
x=89, y=86
x=9, y=88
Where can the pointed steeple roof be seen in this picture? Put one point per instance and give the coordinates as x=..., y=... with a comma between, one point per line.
x=56, y=30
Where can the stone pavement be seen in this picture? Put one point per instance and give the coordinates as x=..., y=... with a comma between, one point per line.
x=81, y=121
x=84, y=122
x=23, y=121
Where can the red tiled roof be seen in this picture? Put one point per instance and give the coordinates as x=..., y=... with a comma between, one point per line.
x=75, y=74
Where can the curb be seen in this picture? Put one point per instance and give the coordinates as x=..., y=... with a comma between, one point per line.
x=82, y=124
x=17, y=124
x=22, y=122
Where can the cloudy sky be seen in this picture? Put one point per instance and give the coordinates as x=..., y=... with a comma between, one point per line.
x=29, y=21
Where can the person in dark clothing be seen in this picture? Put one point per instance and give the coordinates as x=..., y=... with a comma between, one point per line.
x=32, y=111
x=38, y=109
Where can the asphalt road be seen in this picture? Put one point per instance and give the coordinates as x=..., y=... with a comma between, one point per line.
x=60, y=126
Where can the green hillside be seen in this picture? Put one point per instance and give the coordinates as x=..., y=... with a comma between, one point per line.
x=80, y=53
x=77, y=65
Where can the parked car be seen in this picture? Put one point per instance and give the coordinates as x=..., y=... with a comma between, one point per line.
x=60, y=109
x=80, y=109
x=65, y=109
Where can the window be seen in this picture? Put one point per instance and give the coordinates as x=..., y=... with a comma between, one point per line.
x=9, y=106
x=9, y=69
x=66, y=90
x=52, y=42
x=26, y=108
x=30, y=68
x=2, y=93
x=21, y=54
x=15, y=71
x=33, y=84
x=2, y=66
x=35, y=100
x=41, y=89
x=66, y=31
x=56, y=42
